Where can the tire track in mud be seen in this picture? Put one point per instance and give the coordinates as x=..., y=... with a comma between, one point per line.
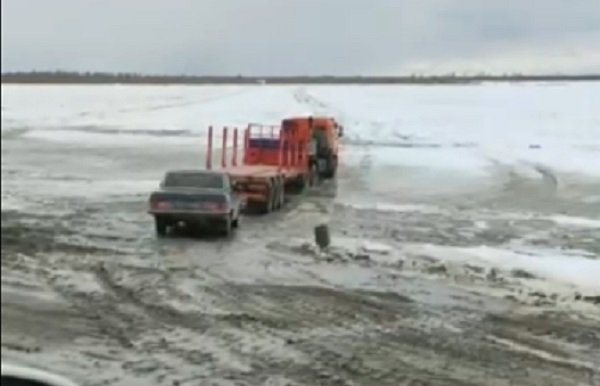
x=252, y=322
x=145, y=327
x=550, y=332
x=321, y=325
x=259, y=304
x=337, y=369
x=99, y=311
x=344, y=337
x=349, y=312
x=477, y=352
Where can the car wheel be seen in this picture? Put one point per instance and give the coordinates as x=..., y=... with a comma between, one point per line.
x=228, y=227
x=160, y=225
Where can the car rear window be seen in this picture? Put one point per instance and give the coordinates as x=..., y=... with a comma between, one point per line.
x=194, y=180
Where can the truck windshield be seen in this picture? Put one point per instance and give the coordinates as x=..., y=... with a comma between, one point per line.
x=194, y=180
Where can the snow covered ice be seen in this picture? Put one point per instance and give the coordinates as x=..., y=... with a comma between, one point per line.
x=459, y=212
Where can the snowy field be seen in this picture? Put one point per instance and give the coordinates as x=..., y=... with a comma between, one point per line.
x=471, y=200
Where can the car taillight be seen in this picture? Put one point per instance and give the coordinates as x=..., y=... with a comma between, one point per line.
x=216, y=206
x=160, y=205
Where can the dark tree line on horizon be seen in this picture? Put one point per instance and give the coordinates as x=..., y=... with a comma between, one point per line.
x=65, y=77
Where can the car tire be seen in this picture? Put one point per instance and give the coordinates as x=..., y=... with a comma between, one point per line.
x=228, y=227
x=160, y=225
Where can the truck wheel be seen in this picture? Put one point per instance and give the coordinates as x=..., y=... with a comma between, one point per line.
x=303, y=182
x=236, y=223
x=281, y=195
x=331, y=167
x=267, y=206
x=160, y=225
x=278, y=201
x=273, y=196
x=313, y=176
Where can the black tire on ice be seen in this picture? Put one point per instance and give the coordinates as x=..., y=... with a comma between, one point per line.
x=322, y=237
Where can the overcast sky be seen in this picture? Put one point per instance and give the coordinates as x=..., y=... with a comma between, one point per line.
x=289, y=37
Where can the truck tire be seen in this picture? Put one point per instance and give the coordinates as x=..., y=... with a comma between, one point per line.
x=269, y=204
x=277, y=192
x=331, y=168
x=160, y=225
x=303, y=182
x=281, y=193
x=273, y=199
x=313, y=176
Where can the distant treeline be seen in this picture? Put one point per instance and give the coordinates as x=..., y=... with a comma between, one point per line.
x=61, y=77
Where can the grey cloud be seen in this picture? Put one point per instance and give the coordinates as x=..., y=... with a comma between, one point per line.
x=300, y=37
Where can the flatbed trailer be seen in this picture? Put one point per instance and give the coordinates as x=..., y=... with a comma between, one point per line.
x=274, y=163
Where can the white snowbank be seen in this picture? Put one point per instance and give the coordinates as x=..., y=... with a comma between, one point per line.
x=387, y=207
x=577, y=222
x=577, y=271
x=112, y=140
x=456, y=128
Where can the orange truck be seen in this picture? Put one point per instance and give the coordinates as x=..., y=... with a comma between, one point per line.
x=279, y=160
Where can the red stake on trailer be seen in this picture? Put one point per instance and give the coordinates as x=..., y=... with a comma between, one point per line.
x=280, y=152
x=246, y=143
x=224, y=151
x=235, y=147
x=209, y=148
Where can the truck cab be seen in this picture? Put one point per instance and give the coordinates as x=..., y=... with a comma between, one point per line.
x=320, y=134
